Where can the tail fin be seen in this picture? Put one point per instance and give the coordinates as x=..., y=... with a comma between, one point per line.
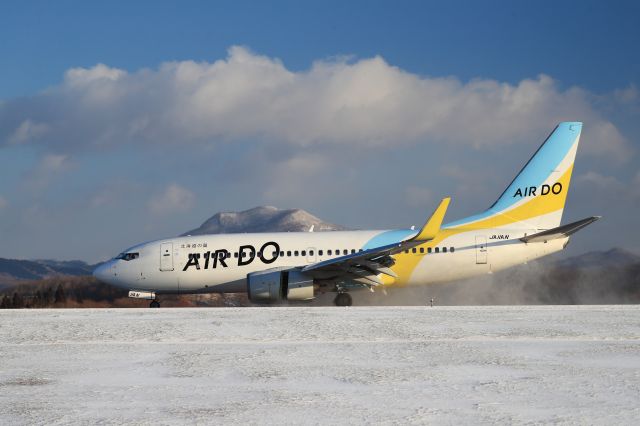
x=535, y=198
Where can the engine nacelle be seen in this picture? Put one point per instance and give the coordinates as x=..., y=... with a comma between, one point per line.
x=276, y=285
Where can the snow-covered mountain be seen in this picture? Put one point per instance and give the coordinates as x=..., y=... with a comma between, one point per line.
x=263, y=219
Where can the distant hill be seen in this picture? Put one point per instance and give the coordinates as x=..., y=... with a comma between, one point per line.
x=13, y=271
x=263, y=219
x=615, y=257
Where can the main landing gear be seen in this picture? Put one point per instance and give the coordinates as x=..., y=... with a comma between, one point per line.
x=343, y=299
x=154, y=304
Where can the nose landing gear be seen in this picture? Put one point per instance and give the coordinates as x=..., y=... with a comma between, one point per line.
x=343, y=299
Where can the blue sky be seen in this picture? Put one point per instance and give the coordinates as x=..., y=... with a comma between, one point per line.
x=587, y=43
x=222, y=106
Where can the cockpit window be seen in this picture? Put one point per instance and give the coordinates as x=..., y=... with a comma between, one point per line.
x=128, y=256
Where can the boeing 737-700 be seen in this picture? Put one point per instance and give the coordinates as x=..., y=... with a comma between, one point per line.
x=522, y=225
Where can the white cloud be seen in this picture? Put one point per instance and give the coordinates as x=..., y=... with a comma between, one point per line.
x=53, y=163
x=117, y=192
x=628, y=95
x=26, y=131
x=342, y=139
x=83, y=76
x=174, y=198
x=49, y=167
x=290, y=178
x=635, y=186
x=366, y=103
x=611, y=185
x=418, y=196
x=600, y=181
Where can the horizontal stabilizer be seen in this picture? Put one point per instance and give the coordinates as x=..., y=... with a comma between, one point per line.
x=559, y=232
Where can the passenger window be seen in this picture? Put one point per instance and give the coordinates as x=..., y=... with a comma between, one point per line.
x=444, y=249
x=345, y=252
x=413, y=250
x=328, y=252
x=304, y=252
x=353, y=251
x=406, y=251
x=452, y=249
x=421, y=249
x=429, y=250
x=235, y=254
x=310, y=252
x=274, y=254
x=319, y=252
x=361, y=250
x=295, y=253
x=281, y=254
x=437, y=249
x=289, y=253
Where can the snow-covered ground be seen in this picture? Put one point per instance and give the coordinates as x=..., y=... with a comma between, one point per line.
x=321, y=365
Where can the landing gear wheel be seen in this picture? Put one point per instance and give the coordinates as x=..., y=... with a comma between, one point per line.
x=154, y=304
x=343, y=299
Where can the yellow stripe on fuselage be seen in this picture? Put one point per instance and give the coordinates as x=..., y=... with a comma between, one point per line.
x=538, y=206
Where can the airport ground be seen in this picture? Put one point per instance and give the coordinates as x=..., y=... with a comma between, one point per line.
x=407, y=365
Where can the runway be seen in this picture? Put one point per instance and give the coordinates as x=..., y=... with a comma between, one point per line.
x=289, y=365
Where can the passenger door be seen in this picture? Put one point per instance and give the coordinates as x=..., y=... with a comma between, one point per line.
x=166, y=257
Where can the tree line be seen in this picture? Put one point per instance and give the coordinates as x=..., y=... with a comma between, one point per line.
x=87, y=292
x=59, y=292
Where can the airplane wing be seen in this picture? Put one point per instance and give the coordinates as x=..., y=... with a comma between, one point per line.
x=365, y=266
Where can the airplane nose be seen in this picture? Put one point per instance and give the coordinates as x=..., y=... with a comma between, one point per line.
x=104, y=272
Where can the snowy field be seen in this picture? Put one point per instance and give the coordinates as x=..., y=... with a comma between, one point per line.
x=460, y=365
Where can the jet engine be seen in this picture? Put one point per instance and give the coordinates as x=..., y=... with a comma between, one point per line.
x=277, y=285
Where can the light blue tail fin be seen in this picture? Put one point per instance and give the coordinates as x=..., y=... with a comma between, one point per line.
x=535, y=199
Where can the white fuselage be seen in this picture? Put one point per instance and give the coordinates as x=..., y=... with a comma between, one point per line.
x=190, y=264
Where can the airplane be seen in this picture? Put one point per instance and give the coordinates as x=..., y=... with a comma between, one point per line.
x=521, y=225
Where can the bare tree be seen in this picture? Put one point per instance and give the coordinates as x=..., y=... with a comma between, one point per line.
x=60, y=297
x=6, y=302
x=18, y=302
